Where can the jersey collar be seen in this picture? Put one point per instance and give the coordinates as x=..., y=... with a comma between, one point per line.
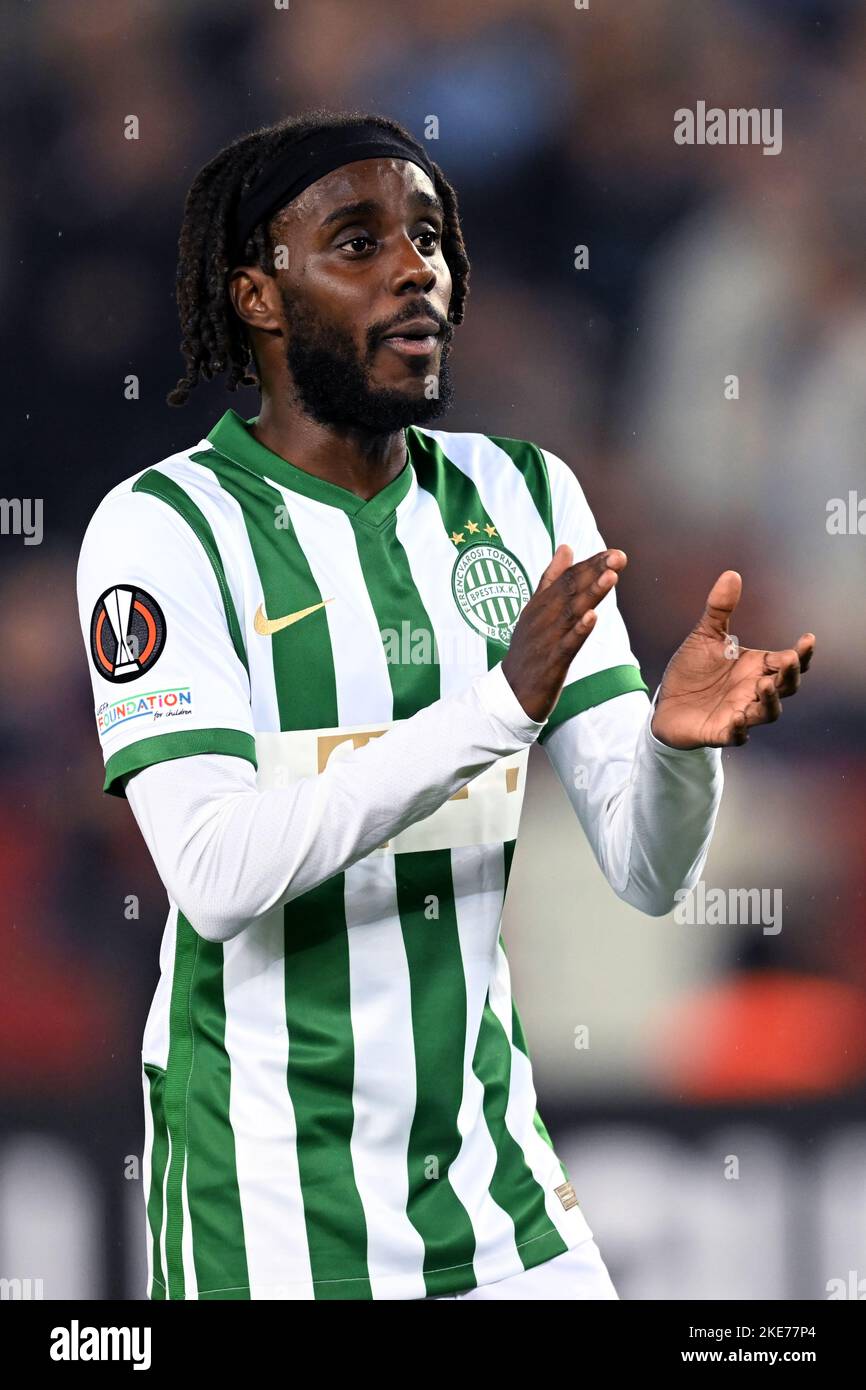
x=232, y=438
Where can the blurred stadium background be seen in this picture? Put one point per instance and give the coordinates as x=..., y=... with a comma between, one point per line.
x=707, y=1044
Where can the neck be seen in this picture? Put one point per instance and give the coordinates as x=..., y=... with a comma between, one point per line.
x=363, y=463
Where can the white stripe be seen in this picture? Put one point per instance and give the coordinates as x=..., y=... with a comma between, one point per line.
x=478, y=891
x=155, y=1043
x=164, y=1223
x=385, y=1091
x=520, y=1113
x=262, y=1114
x=147, y=1176
x=190, y=1283
x=500, y=604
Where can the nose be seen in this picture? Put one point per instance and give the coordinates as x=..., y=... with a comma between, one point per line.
x=410, y=271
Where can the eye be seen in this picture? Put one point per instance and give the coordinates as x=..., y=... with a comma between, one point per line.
x=431, y=237
x=357, y=245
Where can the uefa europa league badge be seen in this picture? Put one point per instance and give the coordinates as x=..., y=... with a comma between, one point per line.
x=127, y=633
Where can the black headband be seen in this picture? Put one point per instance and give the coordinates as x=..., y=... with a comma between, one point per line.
x=309, y=159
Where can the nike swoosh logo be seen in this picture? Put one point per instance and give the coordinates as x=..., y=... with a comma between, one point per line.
x=266, y=627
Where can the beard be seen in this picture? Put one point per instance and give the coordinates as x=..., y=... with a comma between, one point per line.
x=333, y=380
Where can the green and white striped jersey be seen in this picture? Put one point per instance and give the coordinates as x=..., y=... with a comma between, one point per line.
x=339, y=1099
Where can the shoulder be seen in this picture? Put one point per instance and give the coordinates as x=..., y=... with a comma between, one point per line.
x=478, y=454
x=551, y=482
x=477, y=448
x=460, y=446
x=151, y=509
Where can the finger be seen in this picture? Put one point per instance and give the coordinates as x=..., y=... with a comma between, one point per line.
x=738, y=733
x=588, y=597
x=722, y=600
x=786, y=665
x=592, y=578
x=601, y=584
x=584, y=571
x=805, y=647
x=611, y=559
x=766, y=706
x=579, y=631
x=563, y=558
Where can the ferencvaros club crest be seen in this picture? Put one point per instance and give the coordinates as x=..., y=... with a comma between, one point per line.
x=490, y=585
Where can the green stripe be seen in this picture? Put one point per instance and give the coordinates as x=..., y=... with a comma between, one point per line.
x=513, y=1185
x=212, y=1179
x=304, y=676
x=529, y=459
x=458, y=501
x=395, y=600
x=593, y=690
x=181, y=744
x=177, y=1074
x=518, y=1037
x=508, y=848
x=167, y=490
x=438, y=1003
x=320, y=1079
x=158, y=1158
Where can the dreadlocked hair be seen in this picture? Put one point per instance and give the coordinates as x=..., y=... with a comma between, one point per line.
x=214, y=341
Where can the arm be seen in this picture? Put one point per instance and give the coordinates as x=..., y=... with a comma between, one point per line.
x=646, y=779
x=229, y=853
x=648, y=810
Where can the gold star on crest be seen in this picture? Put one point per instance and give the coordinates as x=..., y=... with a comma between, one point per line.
x=457, y=537
x=472, y=527
x=491, y=531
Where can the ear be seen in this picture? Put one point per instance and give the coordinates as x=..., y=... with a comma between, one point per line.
x=255, y=299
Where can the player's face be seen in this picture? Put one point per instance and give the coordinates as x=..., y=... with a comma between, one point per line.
x=365, y=295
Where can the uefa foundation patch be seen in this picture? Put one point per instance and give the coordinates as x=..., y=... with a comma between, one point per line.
x=127, y=633
x=167, y=705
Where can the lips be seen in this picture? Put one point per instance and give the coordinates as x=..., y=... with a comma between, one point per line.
x=416, y=338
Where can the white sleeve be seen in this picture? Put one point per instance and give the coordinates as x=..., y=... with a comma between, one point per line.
x=648, y=810
x=605, y=666
x=164, y=647
x=229, y=853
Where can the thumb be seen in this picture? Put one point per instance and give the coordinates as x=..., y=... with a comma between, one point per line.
x=722, y=600
x=563, y=557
